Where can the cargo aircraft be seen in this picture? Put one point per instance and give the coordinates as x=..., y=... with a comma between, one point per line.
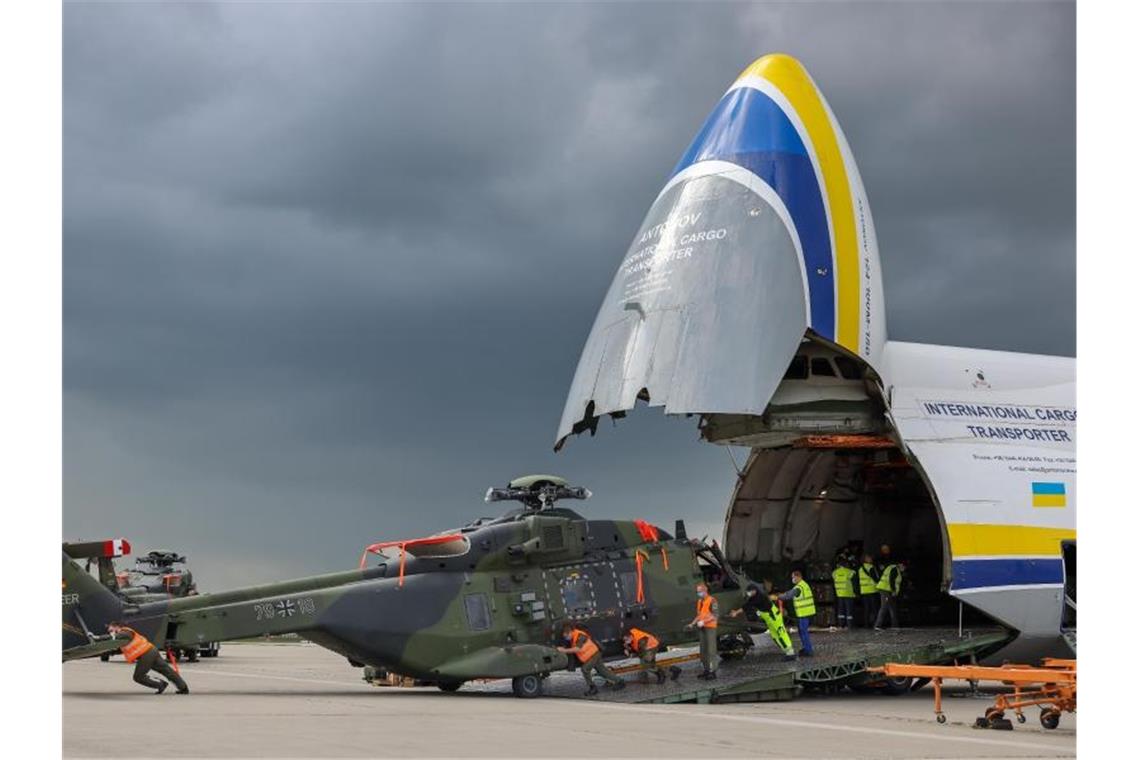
x=751, y=298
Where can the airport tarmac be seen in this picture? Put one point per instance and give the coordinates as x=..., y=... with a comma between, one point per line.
x=298, y=700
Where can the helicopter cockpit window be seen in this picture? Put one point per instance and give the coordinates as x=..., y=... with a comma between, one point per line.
x=713, y=573
x=478, y=612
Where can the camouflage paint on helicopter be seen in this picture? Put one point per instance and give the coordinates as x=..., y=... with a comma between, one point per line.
x=484, y=601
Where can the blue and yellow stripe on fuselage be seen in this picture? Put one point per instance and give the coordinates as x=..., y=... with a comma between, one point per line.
x=774, y=122
x=1002, y=556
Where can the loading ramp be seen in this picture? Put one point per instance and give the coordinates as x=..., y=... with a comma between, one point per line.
x=764, y=676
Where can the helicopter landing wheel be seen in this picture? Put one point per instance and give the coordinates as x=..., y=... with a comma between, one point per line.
x=528, y=686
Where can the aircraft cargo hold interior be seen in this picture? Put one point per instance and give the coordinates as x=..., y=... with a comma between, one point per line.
x=800, y=506
x=826, y=475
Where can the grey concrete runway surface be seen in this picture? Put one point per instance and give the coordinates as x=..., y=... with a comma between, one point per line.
x=298, y=700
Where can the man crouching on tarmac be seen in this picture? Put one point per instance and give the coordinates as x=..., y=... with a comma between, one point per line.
x=146, y=657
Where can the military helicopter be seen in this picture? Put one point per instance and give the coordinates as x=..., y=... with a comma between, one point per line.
x=483, y=601
x=156, y=576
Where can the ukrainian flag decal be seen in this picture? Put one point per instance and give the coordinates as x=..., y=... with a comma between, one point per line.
x=1048, y=494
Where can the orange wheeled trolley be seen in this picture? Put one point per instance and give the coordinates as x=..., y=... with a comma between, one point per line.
x=1052, y=685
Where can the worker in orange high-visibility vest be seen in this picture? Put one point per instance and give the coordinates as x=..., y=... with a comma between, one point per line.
x=589, y=655
x=645, y=646
x=705, y=623
x=146, y=657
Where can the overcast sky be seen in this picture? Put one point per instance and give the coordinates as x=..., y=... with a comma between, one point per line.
x=328, y=269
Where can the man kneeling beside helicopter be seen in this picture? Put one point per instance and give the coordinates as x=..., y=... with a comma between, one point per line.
x=646, y=646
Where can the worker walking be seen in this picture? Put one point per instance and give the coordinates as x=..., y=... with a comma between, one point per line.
x=889, y=586
x=759, y=607
x=645, y=646
x=868, y=577
x=803, y=604
x=589, y=657
x=844, y=579
x=146, y=657
x=705, y=623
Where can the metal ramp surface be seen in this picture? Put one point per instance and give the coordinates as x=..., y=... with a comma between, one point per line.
x=764, y=675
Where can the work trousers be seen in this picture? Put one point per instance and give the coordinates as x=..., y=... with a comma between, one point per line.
x=845, y=611
x=709, y=657
x=888, y=608
x=595, y=664
x=648, y=657
x=870, y=604
x=780, y=635
x=152, y=660
x=805, y=636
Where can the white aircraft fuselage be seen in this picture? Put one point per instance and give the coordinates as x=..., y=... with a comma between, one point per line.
x=752, y=297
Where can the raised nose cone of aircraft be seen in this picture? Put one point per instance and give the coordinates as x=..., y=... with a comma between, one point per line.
x=761, y=236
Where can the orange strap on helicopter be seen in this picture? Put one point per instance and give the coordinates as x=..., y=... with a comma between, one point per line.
x=172, y=660
x=380, y=546
x=637, y=556
x=649, y=533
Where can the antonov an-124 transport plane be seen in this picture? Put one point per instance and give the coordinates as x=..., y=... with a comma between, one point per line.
x=751, y=298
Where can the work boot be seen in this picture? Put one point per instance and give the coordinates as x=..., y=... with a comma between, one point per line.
x=712, y=675
x=592, y=690
x=184, y=690
x=619, y=685
x=161, y=687
x=705, y=675
x=806, y=653
x=674, y=672
x=789, y=657
x=660, y=677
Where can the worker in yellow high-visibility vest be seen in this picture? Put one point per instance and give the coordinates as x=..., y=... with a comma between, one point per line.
x=867, y=575
x=803, y=604
x=890, y=586
x=843, y=578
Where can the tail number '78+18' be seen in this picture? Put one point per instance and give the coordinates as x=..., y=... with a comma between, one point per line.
x=284, y=608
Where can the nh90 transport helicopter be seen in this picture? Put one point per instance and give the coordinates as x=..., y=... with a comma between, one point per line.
x=484, y=601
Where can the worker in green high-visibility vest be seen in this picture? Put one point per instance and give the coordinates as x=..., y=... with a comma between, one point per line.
x=890, y=586
x=843, y=578
x=868, y=577
x=803, y=605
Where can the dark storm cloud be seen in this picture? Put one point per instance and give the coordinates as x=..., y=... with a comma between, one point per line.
x=327, y=269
